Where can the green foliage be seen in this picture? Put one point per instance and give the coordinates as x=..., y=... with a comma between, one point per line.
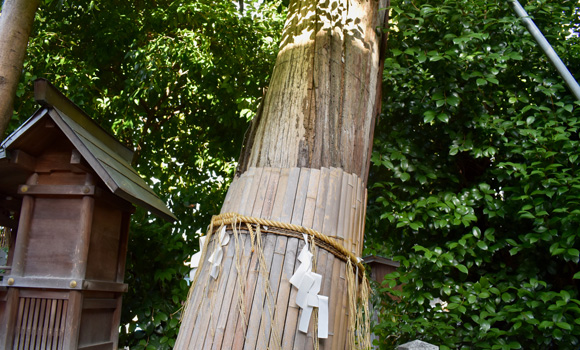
x=176, y=81
x=474, y=184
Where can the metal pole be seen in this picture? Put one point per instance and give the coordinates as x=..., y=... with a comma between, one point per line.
x=552, y=55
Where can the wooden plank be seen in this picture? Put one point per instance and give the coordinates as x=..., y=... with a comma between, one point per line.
x=99, y=304
x=293, y=310
x=46, y=322
x=49, y=294
x=236, y=188
x=290, y=195
x=229, y=194
x=51, y=323
x=310, y=204
x=282, y=298
x=281, y=191
x=327, y=291
x=343, y=308
x=196, y=316
x=354, y=217
x=22, y=239
x=318, y=220
x=332, y=203
x=359, y=216
x=334, y=300
x=204, y=311
x=257, y=310
x=20, y=326
x=192, y=313
x=105, y=286
x=43, y=282
x=363, y=215
x=251, y=282
x=73, y=320
x=29, y=318
x=228, y=267
x=234, y=314
x=270, y=303
x=229, y=302
x=8, y=317
x=329, y=227
x=123, y=245
x=249, y=175
x=261, y=192
x=41, y=320
x=300, y=197
x=116, y=321
x=60, y=324
x=57, y=190
x=271, y=193
x=349, y=234
x=343, y=209
x=249, y=201
x=36, y=321
x=81, y=251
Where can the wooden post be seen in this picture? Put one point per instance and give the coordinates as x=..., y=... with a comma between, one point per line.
x=305, y=161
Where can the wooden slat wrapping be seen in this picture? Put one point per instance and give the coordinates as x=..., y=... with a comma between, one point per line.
x=229, y=302
x=266, y=324
x=280, y=194
x=327, y=200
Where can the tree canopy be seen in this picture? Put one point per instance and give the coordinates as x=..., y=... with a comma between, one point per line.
x=178, y=82
x=474, y=184
x=475, y=180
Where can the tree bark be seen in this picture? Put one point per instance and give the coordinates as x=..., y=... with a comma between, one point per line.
x=305, y=161
x=16, y=21
x=321, y=105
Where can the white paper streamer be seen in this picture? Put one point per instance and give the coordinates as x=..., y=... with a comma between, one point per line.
x=194, y=263
x=307, y=298
x=216, y=257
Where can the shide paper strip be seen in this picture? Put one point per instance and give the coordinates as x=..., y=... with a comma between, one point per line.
x=307, y=298
x=216, y=257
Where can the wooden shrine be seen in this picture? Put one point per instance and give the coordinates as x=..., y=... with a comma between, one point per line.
x=380, y=267
x=67, y=191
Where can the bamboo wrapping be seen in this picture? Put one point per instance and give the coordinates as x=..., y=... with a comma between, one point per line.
x=252, y=306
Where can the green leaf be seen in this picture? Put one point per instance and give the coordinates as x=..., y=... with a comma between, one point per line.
x=564, y=325
x=453, y=100
x=429, y=116
x=507, y=297
x=443, y=117
x=462, y=268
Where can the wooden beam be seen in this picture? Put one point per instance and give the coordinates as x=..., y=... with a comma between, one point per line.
x=57, y=190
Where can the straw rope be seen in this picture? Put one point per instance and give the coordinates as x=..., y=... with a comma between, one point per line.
x=328, y=243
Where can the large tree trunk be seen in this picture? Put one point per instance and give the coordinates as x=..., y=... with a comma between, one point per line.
x=16, y=21
x=305, y=162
